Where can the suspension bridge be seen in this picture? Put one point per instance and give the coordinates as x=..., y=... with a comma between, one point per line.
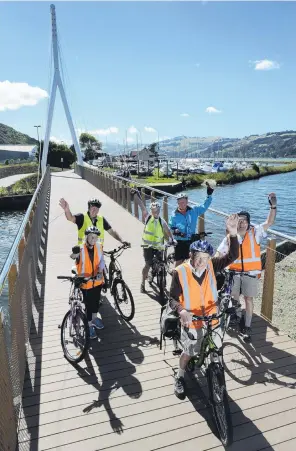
x=121, y=396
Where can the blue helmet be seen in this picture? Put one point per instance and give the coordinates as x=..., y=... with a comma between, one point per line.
x=202, y=246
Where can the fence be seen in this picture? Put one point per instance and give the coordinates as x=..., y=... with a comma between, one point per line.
x=18, y=287
x=118, y=189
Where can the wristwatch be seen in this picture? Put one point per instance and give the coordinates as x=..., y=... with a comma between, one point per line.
x=273, y=208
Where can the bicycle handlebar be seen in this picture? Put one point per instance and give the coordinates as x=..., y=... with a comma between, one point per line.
x=115, y=251
x=208, y=319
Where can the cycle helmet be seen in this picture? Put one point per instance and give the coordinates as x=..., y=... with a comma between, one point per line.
x=245, y=213
x=92, y=229
x=182, y=196
x=155, y=205
x=94, y=202
x=202, y=246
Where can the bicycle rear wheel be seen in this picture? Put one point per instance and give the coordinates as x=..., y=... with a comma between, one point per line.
x=123, y=299
x=74, y=336
x=220, y=403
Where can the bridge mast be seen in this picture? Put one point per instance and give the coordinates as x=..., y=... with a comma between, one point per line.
x=57, y=83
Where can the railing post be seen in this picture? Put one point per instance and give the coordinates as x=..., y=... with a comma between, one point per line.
x=165, y=211
x=152, y=196
x=128, y=197
x=201, y=223
x=8, y=426
x=123, y=192
x=21, y=248
x=268, y=284
x=136, y=207
x=119, y=193
x=144, y=201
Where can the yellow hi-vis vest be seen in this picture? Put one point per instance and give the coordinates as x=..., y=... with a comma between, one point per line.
x=153, y=233
x=87, y=222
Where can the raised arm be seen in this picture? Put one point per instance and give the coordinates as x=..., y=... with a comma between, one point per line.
x=272, y=212
x=202, y=208
x=138, y=201
x=65, y=206
x=223, y=261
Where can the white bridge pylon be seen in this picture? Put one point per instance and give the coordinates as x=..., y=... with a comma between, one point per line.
x=57, y=83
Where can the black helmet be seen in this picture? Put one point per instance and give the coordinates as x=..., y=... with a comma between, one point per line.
x=92, y=229
x=94, y=202
x=247, y=215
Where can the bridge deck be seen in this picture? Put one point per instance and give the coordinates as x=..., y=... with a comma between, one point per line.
x=121, y=397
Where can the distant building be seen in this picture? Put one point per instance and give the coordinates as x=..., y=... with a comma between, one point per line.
x=143, y=155
x=9, y=152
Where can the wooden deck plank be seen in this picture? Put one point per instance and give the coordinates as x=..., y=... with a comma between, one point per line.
x=126, y=384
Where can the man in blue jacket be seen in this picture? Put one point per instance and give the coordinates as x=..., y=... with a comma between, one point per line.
x=183, y=223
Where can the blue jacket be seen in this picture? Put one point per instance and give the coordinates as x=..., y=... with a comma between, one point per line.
x=187, y=222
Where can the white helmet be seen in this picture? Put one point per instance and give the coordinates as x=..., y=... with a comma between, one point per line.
x=155, y=205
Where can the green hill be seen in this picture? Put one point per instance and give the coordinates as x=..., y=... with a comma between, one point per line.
x=9, y=135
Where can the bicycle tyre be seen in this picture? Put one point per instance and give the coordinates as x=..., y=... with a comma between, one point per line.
x=161, y=283
x=219, y=398
x=127, y=294
x=86, y=328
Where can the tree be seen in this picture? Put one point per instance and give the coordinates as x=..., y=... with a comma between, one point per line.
x=56, y=152
x=90, y=146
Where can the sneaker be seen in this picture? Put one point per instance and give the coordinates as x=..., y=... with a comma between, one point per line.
x=92, y=333
x=180, y=388
x=242, y=324
x=98, y=323
x=247, y=335
x=142, y=288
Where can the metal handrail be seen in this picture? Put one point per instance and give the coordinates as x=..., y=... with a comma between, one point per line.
x=212, y=210
x=19, y=235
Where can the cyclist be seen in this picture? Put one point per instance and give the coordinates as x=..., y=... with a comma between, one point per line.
x=156, y=230
x=89, y=259
x=194, y=291
x=91, y=217
x=248, y=263
x=183, y=223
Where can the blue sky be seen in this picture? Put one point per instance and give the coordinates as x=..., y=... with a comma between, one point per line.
x=144, y=64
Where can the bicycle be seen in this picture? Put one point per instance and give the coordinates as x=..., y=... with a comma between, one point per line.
x=75, y=321
x=171, y=257
x=118, y=288
x=159, y=268
x=211, y=357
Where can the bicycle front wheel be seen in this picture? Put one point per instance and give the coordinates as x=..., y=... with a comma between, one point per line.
x=170, y=263
x=124, y=300
x=220, y=403
x=74, y=336
x=161, y=283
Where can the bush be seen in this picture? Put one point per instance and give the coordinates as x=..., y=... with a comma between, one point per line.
x=6, y=163
x=256, y=168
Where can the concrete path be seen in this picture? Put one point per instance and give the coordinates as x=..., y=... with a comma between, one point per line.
x=7, y=181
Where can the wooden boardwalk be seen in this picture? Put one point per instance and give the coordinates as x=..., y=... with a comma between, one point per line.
x=121, y=397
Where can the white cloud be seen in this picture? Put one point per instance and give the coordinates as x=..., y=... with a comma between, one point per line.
x=104, y=131
x=14, y=95
x=130, y=140
x=60, y=141
x=265, y=65
x=212, y=110
x=184, y=115
x=132, y=130
x=149, y=129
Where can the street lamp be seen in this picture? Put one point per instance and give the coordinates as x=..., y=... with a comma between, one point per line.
x=39, y=158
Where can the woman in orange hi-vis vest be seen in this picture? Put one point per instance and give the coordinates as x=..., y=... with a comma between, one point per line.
x=90, y=264
x=194, y=291
x=248, y=263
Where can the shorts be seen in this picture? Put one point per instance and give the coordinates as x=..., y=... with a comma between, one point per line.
x=245, y=285
x=182, y=250
x=149, y=253
x=192, y=347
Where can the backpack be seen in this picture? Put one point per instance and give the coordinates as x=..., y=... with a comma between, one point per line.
x=169, y=324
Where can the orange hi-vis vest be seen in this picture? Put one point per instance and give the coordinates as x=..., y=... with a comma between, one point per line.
x=195, y=298
x=87, y=268
x=249, y=258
